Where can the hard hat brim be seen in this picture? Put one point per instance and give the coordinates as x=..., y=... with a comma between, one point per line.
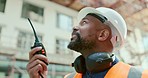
x=82, y=13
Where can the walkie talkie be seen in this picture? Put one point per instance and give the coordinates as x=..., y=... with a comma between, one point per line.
x=37, y=43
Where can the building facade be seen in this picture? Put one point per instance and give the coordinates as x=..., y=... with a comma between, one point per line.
x=53, y=24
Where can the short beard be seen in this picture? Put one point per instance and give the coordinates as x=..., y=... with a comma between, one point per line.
x=81, y=44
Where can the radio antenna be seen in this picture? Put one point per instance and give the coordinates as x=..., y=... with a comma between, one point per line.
x=36, y=38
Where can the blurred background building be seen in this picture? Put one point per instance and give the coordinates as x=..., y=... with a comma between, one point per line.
x=53, y=21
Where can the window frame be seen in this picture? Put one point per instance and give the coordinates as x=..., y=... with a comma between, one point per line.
x=144, y=41
x=62, y=50
x=1, y=27
x=39, y=14
x=58, y=22
x=26, y=39
x=4, y=7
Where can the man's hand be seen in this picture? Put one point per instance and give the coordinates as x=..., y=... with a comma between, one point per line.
x=36, y=64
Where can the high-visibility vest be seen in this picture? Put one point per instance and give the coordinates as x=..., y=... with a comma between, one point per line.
x=119, y=70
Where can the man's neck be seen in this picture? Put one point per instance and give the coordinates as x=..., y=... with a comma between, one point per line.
x=103, y=48
x=86, y=53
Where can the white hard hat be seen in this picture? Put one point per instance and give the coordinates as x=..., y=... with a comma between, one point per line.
x=114, y=21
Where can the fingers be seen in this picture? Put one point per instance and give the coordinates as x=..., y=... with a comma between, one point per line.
x=38, y=59
x=37, y=63
x=34, y=72
x=33, y=51
x=35, y=67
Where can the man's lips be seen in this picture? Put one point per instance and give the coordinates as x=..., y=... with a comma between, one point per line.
x=73, y=37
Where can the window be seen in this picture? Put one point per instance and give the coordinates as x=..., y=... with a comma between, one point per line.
x=33, y=12
x=2, y=74
x=2, y=5
x=61, y=47
x=26, y=40
x=0, y=31
x=64, y=22
x=145, y=42
x=59, y=70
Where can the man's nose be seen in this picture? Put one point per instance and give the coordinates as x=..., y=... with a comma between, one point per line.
x=75, y=28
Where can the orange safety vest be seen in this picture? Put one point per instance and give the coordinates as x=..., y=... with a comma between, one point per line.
x=120, y=70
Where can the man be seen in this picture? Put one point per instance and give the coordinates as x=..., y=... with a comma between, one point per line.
x=100, y=32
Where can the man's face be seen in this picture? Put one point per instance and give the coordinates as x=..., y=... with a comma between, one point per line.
x=84, y=36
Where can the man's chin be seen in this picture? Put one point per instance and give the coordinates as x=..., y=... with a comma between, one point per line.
x=70, y=45
x=73, y=46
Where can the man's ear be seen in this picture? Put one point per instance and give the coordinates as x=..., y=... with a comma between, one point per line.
x=103, y=34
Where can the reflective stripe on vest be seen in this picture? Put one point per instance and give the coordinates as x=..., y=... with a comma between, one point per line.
x=68, y=76
x=73, y=75
x=135, y=72
x=121, y=70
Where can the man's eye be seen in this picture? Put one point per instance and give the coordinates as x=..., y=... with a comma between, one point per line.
x=84, y=22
